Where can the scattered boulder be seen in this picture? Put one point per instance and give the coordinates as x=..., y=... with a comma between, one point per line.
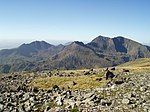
x=71, y=73
x=109, y=75
x=119, y=82
x=56, y=88
x=125, y=70
x=59, y=101
x=125, y=101
x=98, y=79
x=74, y=83
x=105, y=102
x=87, y=73
x=35, y=90
x=143, y=89
x=1, y=107
x=47, y=109
x=91, y=69
x=113, y=68
x=106, y=69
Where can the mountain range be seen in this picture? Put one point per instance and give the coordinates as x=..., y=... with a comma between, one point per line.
x=100, y=52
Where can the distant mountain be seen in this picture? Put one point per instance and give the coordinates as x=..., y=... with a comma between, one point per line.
x=77, y=55
x=119, y=45
x=26, y=49
x=100, y=52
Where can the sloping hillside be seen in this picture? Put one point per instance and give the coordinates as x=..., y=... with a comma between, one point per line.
x=137, y=66
x=143, y=62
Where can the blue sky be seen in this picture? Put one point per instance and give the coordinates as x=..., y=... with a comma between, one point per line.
x=82, y=20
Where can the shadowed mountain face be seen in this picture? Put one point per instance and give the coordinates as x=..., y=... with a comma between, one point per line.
x=100, y=52
x=119, y=43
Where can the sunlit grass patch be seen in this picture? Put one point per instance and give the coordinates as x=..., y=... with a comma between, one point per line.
x=82, y=82
x=135, y=70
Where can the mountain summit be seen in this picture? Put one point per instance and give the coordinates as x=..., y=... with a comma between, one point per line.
x=100, y=52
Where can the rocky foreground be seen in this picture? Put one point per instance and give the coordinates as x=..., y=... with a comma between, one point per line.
x=125, y=93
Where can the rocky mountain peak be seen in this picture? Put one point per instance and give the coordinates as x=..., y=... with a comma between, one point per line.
x=40, y=45
x=77, y=43
x=100, y=39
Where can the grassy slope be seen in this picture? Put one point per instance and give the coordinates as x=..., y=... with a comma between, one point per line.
x=138, y=66
x=143, y=62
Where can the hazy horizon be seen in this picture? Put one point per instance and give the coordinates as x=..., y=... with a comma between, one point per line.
x=14, y=44
x=70, y=20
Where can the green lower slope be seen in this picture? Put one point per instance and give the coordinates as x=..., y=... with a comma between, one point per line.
x=143, y=62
